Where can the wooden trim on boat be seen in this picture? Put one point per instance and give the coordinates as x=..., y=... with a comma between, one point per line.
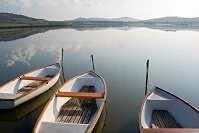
x=171, y=130
x=80, y=94
x=35, y=78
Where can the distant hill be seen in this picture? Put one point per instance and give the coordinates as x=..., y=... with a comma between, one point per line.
x=124, y=19
x=173, y=19
x=8, y=17
x=10, y=20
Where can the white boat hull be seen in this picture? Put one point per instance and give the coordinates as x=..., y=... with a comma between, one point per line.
x=184, y=114
x=8, y=97
x=47, y=121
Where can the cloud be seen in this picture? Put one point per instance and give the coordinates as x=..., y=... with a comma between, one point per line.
x=25, y=53
x=10, y=1
x=25, y=3
x=22, y=55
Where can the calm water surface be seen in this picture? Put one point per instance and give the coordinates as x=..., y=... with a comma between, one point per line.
x=120, y=56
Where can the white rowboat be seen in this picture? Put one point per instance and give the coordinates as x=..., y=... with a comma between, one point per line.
x=28, y=86
x=76, y=107
x=163, y=112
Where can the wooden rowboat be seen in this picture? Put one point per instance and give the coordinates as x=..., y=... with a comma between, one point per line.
x=28, y=86
x=163, y=112
x=76, y=107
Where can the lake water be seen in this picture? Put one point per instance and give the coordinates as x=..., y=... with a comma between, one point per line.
x=120, y=58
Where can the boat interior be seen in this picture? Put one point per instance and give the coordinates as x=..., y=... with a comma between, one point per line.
x=28, y=82
x=162, y=110
x=74, y=112
x=36, y=83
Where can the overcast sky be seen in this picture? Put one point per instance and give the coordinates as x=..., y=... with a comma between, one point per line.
x=70, y=9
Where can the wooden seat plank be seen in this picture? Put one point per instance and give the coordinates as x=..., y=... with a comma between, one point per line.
x=35, y=78
x=80, y=94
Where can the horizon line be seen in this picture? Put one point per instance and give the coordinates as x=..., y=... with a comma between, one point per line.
x=99, y=17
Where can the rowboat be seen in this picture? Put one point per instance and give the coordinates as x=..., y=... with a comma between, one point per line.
x=76, y=106
x=28, y=86
x=163, y=112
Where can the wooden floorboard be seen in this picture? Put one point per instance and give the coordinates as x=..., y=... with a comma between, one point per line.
x=69, y=109
x=78, y=116
x=90, y=111
x=163, y=119
x=78, y=110
x=86, y=108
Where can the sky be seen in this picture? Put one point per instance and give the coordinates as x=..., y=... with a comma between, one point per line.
x=71, y=9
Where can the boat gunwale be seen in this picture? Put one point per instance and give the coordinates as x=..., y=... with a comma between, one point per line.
x=181, y=99
x=19, y=97
x=89, y=130
x=101, y=106
x=142, y=106
x=145, y=99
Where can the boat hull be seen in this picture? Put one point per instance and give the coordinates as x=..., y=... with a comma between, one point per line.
x=16, y=99
x=160, y=107
x=47, y=121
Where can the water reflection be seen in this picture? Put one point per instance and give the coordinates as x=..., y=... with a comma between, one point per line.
x=25, y=53
x=22, y=55
x=120, y=57
x=19, y=33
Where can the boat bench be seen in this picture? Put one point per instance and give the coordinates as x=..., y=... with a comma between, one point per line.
x=163, y=119
x=78, y=110
x=38, y=81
